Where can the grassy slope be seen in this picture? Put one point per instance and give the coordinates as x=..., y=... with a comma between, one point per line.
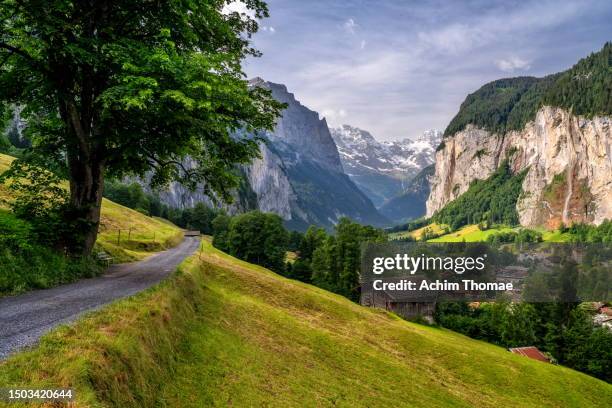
x=224, y=332
x=472, y=233
x=416, y=234
x=148, y=233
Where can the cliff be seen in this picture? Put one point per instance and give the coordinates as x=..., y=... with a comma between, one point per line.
x=569, y=176
x=555, y=128
x=299, y=175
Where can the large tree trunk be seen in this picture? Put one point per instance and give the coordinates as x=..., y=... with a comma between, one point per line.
x=86, y=188
x=86, y=165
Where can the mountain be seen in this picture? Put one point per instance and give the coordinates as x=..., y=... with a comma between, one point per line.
x=299, y=175
x=556, y=129
x=411, y=203
x=382, y=170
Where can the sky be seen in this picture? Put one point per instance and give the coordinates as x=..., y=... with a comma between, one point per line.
x=398, y=68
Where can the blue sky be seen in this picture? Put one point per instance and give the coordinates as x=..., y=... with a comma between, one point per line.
x=397, y=68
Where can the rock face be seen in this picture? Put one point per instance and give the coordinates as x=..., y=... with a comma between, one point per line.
x=383, y=170
x=568, y=161
x=299, y=175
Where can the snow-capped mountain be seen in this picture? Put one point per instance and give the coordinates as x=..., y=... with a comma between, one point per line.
x=383, y=169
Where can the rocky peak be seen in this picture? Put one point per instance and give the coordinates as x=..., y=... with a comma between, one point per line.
x=301, y=129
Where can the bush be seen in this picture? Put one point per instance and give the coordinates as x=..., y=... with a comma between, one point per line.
x=25, y=264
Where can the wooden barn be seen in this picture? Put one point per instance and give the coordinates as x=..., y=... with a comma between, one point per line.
x=404, y=303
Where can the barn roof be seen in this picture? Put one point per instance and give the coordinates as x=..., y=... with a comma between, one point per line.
x=531, y=352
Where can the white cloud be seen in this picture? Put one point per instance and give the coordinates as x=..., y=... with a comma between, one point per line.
x=268, y=29
x=334, y=116
x=382, y=68
x=457, y=38
x=512, y=64
x=349, y=26
x=363, y=44
x=453, y=39
x=238, y=7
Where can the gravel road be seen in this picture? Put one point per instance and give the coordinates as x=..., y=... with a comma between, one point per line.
x=24, y=318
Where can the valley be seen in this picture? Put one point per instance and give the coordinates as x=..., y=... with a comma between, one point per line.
x=194, y=196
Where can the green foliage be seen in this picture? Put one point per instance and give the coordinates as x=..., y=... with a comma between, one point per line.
x=36, y=192
x=199, y=218
x=129, y=195
x=25, y=264
x=522, y=236
x=586, y=88
x=313, y=239
x=255, y=237
x=492, y=200
x=331, y=262
x=336, y=259
x=295, y=240
x=591, y=233
x=410, y=226
x=133, y=196
x=113, y=93
x=220, y=227
x=508, y=104
x=491, y=106
x=563, y=330
x=39, y=198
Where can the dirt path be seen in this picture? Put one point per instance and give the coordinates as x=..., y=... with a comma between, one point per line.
x=24, y=318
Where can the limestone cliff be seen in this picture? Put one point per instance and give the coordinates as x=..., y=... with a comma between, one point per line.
x=569, y=162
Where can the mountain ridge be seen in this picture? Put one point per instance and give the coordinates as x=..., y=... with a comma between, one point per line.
x=382, y=170
x=298, y=176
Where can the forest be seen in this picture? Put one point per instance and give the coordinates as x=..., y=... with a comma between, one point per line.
x=508, y=104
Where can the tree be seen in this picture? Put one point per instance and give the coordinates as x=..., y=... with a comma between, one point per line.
x=259, y=238
x=314, y=238
x=220, y=228
x=127, y=87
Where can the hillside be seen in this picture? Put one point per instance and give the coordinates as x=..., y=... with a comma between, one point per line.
x=555, y=131
x=225, y=332
x=147, y=234
x=509, y=103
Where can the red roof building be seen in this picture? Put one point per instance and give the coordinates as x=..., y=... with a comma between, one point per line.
x=531, y=352
x=607, y=310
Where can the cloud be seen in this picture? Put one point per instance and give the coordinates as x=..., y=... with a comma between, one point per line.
x=403, y=67
x=460, y=37
x=238, y=7
x=382, y=68
x=349, y=26
x=268, y=29
x=334, y=116
x=512, y=64
x=453, y=39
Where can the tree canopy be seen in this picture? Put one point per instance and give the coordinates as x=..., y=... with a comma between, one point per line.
x=130, y=87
